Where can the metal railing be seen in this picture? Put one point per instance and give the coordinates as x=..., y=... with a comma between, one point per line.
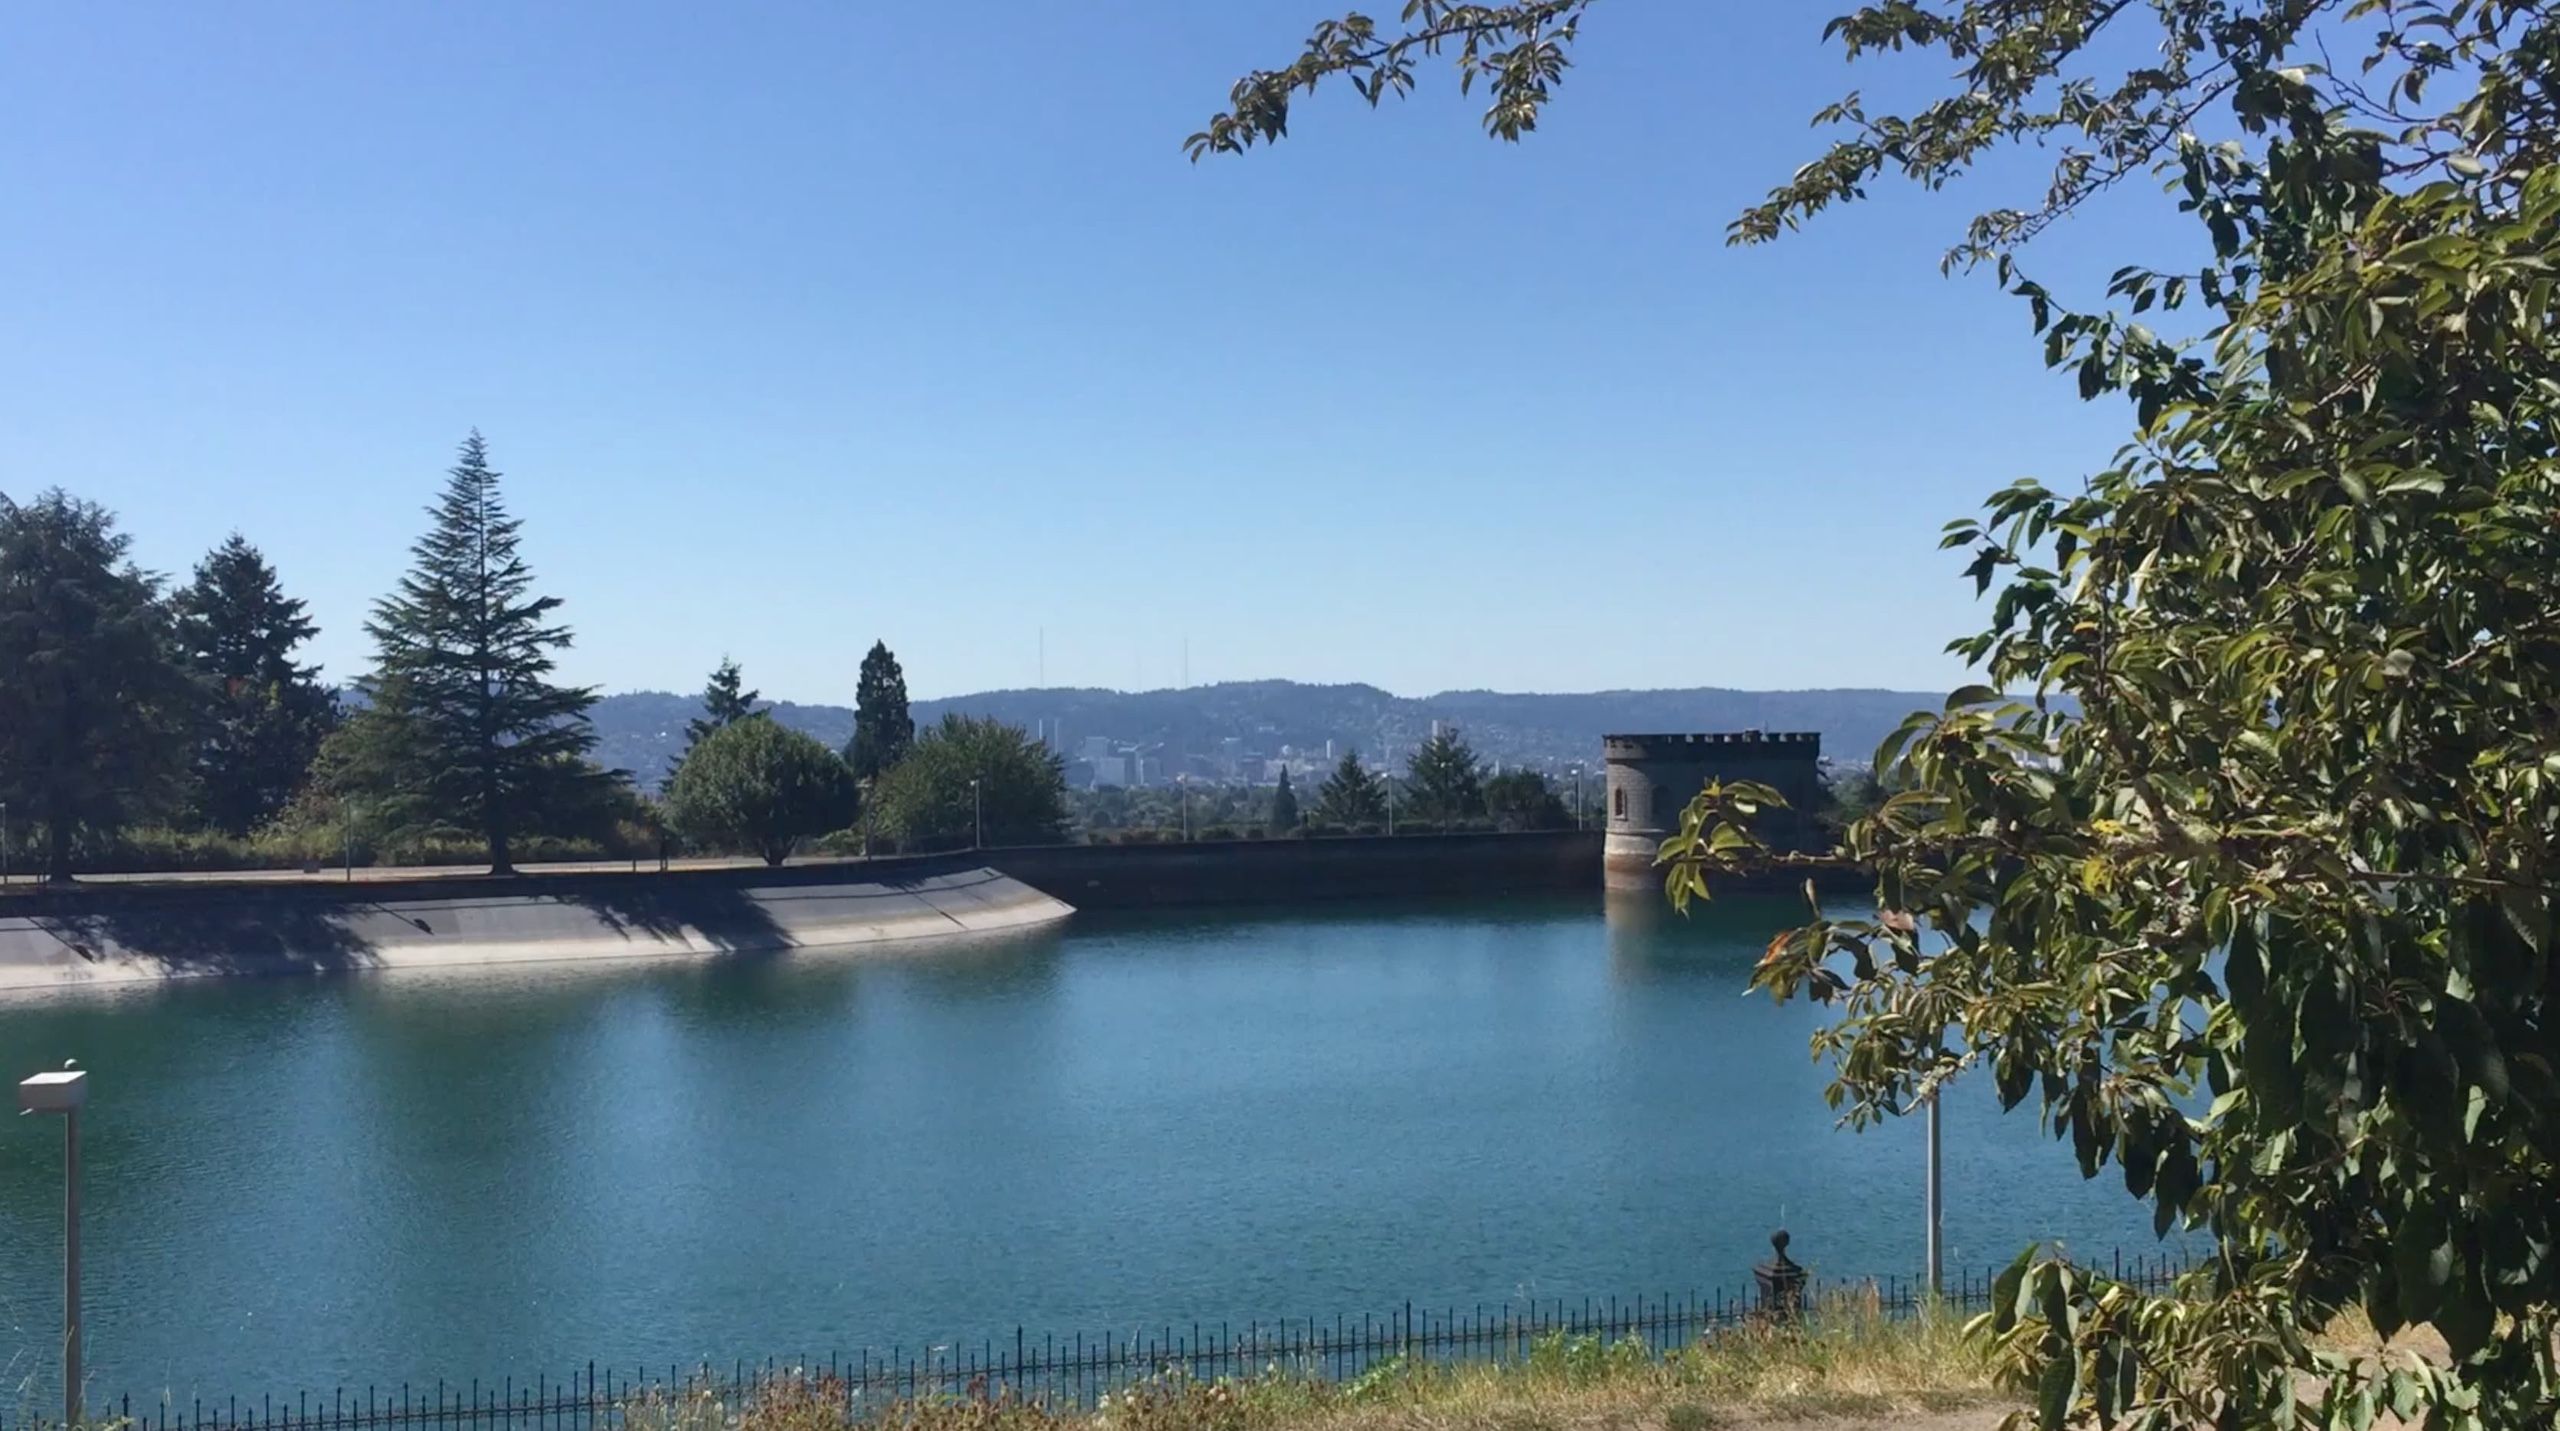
x=1055, y=1370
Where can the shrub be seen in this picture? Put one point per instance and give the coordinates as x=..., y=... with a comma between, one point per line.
x=755, y=784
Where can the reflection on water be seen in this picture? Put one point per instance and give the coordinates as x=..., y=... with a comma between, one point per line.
x=1129, y=1118
x=1713, y=939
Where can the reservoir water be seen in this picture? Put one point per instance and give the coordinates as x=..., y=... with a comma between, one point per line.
x=1123, y=1121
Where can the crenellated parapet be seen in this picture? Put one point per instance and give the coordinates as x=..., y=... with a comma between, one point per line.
x=1652, y=778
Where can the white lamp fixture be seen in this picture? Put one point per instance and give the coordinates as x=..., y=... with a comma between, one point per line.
x=63, y=1091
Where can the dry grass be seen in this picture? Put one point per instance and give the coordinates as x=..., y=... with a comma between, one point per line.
x=1849, y=1363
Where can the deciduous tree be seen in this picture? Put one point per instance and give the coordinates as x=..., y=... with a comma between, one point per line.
x=754, y=784
x=1522, y=800
x=2268, y=924
x=1021, y=796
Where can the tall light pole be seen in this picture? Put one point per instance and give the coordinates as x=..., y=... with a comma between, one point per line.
x=347, y=829
x=977, y=817
x=4, y=842
x=1935, y=1206
x=63, y=1091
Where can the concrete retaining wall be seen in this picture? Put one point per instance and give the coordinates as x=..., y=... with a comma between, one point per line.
x=1306, y=870
x=126, y=934
x=271, y=924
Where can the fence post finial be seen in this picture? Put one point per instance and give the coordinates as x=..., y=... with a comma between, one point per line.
x=1781, y=1281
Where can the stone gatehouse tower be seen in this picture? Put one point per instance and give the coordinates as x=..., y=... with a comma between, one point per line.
x=1653, y=777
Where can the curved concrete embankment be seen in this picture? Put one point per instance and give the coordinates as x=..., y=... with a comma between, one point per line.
x=128, y=935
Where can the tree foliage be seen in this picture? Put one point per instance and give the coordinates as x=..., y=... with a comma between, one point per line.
x=882, y=728
x=725, y=702
x=2267, y=924
x=1351, y=796
x=925, y=799
x=464, y=729
x=95, y=711
x=1444, y=779
x=754, y=784
x=1523, y=800
x=1517, y=51
x=265, y=713
x=1284, y=805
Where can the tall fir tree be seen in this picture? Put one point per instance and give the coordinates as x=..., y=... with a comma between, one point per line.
x=465, y=731
x=265, y=714
x=725, y=702
x=1284, y=806
x=882, y=728
x=1351, y=796
x=1446, y=780
x=94, y=706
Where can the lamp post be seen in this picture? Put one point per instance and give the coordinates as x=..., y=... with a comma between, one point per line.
x=63, y=1091
x=347, y=831
x=4, y=842
x=977, y=817
x=1935, y=1209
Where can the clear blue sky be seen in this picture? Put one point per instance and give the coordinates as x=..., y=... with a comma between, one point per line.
x=797, y=324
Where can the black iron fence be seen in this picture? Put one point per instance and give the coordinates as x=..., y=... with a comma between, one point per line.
x=1057, y=1370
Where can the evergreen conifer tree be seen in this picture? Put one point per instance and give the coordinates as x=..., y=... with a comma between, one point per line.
x=1351, y=797
x=265, y=714
x=466, y=732
x=725, y=702
x=882, y=728
x=1447, y=783
x=1284, y=806
x=94, y=707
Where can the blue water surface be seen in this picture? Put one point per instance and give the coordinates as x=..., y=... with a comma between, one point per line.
x=1128, y=1121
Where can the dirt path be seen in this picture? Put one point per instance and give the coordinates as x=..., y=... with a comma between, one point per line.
x=1983, y=1418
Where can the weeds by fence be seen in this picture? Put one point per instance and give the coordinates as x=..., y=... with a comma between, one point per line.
x=1053, y=1370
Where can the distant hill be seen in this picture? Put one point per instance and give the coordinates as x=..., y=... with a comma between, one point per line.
x=642, y=731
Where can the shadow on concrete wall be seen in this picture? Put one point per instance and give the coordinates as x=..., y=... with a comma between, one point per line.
x=726, y=916
x=229, y=937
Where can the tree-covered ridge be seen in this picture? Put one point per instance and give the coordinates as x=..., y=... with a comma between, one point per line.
x=642, y=731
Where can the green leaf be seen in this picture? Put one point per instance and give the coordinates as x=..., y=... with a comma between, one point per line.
x=2055, y=1388
x=2421, y=1262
